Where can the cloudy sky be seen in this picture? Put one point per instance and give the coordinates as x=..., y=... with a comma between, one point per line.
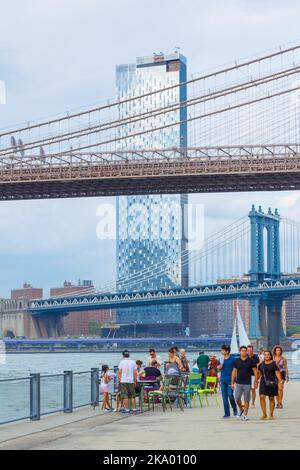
x=59, y=55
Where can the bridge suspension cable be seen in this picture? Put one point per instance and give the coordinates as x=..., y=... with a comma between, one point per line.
x=136, y=118
x=290, y=244
x=93, y=128
x=115, y=103
x=215, y=242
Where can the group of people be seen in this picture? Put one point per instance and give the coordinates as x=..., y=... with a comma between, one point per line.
x=129, y=372
x=239, y=377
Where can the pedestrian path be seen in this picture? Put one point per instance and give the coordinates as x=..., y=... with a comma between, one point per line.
x=196, y=429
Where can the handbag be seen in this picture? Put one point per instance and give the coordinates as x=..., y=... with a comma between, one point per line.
x=269, y=383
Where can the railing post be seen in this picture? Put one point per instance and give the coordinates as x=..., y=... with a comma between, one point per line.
x=68, y=391
x=35, y=397
x=95, y=387
x=116, y=369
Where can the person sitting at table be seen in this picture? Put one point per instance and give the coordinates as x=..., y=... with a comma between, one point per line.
x=139, y=368
x=153, y=370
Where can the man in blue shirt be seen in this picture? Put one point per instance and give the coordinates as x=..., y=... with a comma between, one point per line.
x=226, y=366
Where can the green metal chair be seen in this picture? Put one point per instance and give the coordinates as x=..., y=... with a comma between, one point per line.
x=192, y=389
x=171, y=392
x=206, y=391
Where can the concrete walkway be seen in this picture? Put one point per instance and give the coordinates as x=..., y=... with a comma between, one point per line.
x=194, y=429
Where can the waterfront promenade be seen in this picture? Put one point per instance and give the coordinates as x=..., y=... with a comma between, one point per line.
x=194, y=429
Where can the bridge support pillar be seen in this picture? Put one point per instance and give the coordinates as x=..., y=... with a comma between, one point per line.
x=255, y=331
x=274, y=321
x=49, y=326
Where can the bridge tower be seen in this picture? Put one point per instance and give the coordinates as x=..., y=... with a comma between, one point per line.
x=261, y=223
x=265, y=264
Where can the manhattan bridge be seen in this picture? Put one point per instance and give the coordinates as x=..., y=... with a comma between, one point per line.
x=243, y=123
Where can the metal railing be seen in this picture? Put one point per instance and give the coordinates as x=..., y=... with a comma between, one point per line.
x=48, y=394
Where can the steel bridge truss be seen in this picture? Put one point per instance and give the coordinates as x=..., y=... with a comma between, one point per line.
x=207, y=169
x=283, y=287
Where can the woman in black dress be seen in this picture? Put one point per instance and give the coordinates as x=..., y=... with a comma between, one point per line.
x=270, y=383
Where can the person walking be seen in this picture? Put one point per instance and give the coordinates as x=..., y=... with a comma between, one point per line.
x=241, y=381
x=261, y=355
x=270, y=384
x=202, y=363
x=226, y=368
x=256, y=361
x=282, y=364
x=127, y=378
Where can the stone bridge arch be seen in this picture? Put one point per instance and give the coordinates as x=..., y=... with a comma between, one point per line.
x=9, y=332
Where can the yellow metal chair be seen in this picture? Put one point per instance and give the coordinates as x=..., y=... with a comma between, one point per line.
x=212, y=391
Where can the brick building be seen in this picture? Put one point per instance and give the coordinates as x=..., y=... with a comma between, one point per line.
x=81, y=323
x=27, y=292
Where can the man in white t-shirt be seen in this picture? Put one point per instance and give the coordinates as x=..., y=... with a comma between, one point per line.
x=127, y=378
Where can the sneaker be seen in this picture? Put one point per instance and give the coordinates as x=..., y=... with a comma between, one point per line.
x=246, y=418
x=126, y=412
x=226, y=417
x=240, y=414
x=235, y=413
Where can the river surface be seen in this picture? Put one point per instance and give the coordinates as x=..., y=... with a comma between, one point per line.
x=14, y=396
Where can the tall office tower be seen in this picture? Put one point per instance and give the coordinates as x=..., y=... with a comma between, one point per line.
x=152, y=229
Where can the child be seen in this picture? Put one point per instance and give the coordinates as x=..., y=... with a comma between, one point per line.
x=119, y=405
x=104, y=388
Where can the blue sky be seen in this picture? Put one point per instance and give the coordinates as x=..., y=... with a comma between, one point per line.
x=58, y=55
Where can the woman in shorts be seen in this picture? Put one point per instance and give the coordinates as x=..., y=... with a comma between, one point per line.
x=284, y=371
x=104, y=388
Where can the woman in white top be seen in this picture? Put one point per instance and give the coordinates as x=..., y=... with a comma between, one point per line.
x=104, y=388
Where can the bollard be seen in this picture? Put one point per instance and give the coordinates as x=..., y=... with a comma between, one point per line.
x=35, y=397
x=95, y=387
x=68, y=391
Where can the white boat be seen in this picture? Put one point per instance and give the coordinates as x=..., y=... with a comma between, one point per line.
x=239, y=335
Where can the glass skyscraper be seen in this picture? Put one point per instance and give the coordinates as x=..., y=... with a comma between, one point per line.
x=152, y=229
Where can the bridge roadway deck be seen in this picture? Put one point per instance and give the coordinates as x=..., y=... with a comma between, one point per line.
x=162, y=171
x=194, y=429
